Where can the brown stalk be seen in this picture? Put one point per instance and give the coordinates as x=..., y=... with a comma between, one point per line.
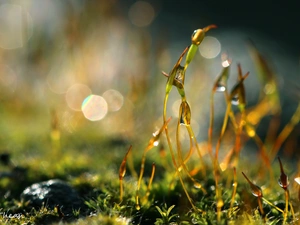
x=122, y=172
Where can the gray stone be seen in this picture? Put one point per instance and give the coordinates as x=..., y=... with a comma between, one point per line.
x=52, y=193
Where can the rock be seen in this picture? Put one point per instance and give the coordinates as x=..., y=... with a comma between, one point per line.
x=53, y=193
x=5, y=159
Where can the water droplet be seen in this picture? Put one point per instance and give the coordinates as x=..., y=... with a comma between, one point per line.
x=226, y=63
x=194, y=33
x=220, y=87
x=197, y=185
x=155, y=143
x=197, y=36
x=256, y=190
x=280, y=183
x=235, y=100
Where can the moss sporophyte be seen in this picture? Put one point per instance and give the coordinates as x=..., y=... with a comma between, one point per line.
x=225, y=203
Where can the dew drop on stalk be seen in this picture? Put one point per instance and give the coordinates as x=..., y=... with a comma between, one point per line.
x=256, y=191
x=197, y=185
x=194, y=33
x=220, y=87
x=155, y=143
x=235, y=100
x=197, y=36
x=226, y=63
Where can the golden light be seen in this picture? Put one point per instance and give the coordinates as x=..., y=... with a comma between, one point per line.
x=175, y=107
x=114, y=99
x=8, y=78
x=210, y=47
x=269, y=88
x=15, y=26
x=61, y=76
x=75, y=96
x=94, y=107
x=141, y=14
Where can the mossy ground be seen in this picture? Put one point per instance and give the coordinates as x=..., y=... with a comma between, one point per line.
x=95, y=177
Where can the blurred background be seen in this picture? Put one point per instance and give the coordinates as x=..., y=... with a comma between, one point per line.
x=92, y=69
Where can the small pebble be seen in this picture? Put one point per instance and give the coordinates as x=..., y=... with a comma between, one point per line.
x=53, y=193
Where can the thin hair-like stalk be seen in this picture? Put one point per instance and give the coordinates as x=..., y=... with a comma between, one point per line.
x=152, y=143
x=122, y=172
x=262, y=152
x=237, y=97
x=150, y=182
x=257, y=192
x=285, y=132
x=192, y=137
x=225, y=121
x=181, y=161
x=185, y=119
x=219, y=199
x=220, y=85
x=169, y=85
x=284, y=183
x=234, y=185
